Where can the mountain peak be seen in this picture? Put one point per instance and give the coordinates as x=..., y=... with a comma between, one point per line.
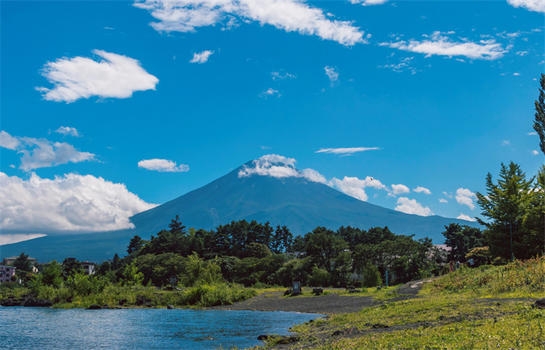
x=278, y=166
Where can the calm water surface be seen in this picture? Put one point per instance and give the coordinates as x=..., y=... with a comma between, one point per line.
x=44, y=328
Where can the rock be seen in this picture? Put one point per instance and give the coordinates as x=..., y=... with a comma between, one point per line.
x=170, y=307
x=317, y=291
x=11, y=301
x=34, y=302
x=94, y=307
x=540, y=303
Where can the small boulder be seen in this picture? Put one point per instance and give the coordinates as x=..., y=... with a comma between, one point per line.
x=540, y=303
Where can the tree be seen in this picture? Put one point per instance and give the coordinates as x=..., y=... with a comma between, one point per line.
x=534, y=221
x=539, y=122
x=23, y=263
x=505, y=205
x=135, y=245
x=461, y=239
x=71, y=266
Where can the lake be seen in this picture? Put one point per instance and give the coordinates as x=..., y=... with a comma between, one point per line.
x=45, y=328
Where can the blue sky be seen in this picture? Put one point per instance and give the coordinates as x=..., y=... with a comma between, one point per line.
x=111, y=107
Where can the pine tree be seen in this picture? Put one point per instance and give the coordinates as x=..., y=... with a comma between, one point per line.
x=539, y=122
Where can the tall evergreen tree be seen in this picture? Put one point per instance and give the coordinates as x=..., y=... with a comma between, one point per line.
x=539, y=122
x=505, y=205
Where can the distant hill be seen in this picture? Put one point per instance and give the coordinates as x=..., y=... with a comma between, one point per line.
x=296, y=202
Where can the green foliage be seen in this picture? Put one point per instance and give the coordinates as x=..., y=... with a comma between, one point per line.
x=461, y=239
x=505, y=205
x=371, y=276
x=539, y=121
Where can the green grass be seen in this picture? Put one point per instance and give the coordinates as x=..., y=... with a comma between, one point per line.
x=486, y=308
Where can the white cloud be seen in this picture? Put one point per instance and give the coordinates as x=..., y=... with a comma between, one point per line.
x=441, y=45
x=535, y=152
x=411, y=206
x=464, y=196
x=287, y=15
x=115, y=76
x=331, y=73
x=368, y=2
x=8, y=238
x=282, y=76
x=77, y=203
x=163, y=165
x=270, y=92
x=404, y=65
x=355, y=187
x=278, y=166
x=398, y=189
x=67, y=130
x=443, y=200
x=532, y=5
x=466, y=217
x=201, y=57
x=42, y=153
x=8, y=141
x=346, y=150
x=313, y=175
x=420, y=189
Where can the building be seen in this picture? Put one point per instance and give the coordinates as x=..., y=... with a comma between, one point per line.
x=88, y=267
x=7, y=273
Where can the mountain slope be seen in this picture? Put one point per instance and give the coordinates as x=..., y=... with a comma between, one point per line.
x=278, y=194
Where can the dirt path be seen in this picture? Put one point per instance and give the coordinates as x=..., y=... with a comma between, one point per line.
x=322, y=304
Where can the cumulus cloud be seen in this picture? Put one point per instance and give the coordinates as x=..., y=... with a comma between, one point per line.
x=42, y=153
x=201, y=57
x=398, y=189
x=331, y=73
x=355, y=187
x=114, y=76
x=287, y=15
x=411, y=206
x=420, y=189
x=71, y=203
x=535, y=152
x=346, y=150
x=532, y=5
x=163, y=165
x=8, y=141
x=68, y=131
x=464, y=196
x=278, y=166
x=440, y=44
x=466, y=217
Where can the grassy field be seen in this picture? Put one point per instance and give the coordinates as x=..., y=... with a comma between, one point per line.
x=490, y=307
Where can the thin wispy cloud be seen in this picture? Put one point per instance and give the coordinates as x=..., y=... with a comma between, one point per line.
x=270, y=92
x=368, y=2
x=41, y=153
x=282, y=75
x=346, y=150
x=115, y=76
x=532, y=5
x=163, y=165
x=439, y=44
x=70, y=203
x=287, y=15
x=331, y=73
x=411, y=206
x=404, y=65
x=67, y=131
x=201, y=57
